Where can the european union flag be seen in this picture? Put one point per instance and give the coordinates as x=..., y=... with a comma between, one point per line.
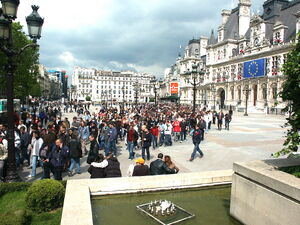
x=255, y=68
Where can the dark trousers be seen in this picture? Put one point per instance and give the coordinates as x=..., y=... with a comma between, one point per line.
x=56, y=171
x=143, y=153
x=209, y=125
x=219, y=124
x=227, y=125
x=183, y=135
x=202, y=134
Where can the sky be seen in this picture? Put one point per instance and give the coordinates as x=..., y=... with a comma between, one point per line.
x=139, y=35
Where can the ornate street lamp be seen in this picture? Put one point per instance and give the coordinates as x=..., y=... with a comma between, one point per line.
x=246, y=92
x=8, y=15
x=154, y=82
x=214, y=90
x=197, y=79
x=34, y=23
x=136, y=91
x=10, y=8
x=123, y=92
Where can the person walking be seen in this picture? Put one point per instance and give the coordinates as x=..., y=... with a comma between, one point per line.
x=154, y=132
x=57, y=159
x=94, y=150
x=146, y=143
x=75, y=154
x=227, y=120
x=84, y=134
x=220, y=120
x=197, y=137
x=36, y=144
x=3, y=157
x=132, y=137
x=112, y=138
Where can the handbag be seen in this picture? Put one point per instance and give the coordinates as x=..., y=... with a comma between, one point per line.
x=43, y=151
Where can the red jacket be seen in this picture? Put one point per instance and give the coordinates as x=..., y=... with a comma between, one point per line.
x=154, y=131
x=176, y=126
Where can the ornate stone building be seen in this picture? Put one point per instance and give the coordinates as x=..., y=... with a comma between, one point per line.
x=244, y=58
x=110, y=86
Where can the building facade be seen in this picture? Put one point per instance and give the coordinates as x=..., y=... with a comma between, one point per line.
x=242, y=63
x=114, y=87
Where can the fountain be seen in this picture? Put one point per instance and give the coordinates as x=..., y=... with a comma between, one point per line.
x=165, y=212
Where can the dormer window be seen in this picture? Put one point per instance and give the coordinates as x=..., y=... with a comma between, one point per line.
x=256, y=42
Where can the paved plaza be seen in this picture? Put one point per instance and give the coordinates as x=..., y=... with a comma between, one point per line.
x=249, y=138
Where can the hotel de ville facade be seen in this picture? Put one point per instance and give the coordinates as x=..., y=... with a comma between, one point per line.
x=240, y=63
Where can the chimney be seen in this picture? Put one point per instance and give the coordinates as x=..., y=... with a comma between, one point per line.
x=225, y=15
x=244, y=16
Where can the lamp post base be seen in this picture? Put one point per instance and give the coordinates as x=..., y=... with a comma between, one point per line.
x=246, y=114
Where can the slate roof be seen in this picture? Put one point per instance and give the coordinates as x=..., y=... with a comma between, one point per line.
x=287, y=18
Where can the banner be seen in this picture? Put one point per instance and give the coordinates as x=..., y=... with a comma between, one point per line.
x=174, y=88
x=255, y=68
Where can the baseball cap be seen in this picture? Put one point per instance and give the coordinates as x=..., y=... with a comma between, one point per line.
x=140, y=160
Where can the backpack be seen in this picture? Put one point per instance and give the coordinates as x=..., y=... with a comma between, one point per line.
x=44, y=151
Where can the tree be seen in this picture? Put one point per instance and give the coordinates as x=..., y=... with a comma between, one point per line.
x=290, y=93
x=26, y=73
x=88, y=98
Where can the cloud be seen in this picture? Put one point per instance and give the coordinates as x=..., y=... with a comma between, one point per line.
x=142, y=35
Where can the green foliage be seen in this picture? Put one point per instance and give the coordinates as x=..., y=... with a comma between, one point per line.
x=290, y=93
x=88, y=98
x=45, y=195
x=12, y=187
x=25, y=76
x=19, y=217
x=294, y=170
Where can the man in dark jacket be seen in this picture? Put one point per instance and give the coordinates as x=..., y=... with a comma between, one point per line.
x=75, y=153
x=25, y=141
x=146, y=143
x=140, y=169
x=159, y=167
x=94, y=150
x=113, y=168
x=197, y=137
x=57, y=158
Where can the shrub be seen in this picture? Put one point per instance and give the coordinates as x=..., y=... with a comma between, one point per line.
x=19, y=217
x=45, y=195
x=12, y=187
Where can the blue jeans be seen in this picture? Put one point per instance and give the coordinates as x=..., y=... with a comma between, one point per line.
x=112, y=147
x=75, y=161
x=162, y=138
x=34, y=164
x=182, y=135
x=196, y=149
x=18, y=158
x=130, y=146
x=154, y=141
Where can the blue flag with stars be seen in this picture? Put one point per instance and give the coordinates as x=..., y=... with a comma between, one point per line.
x=254, y=68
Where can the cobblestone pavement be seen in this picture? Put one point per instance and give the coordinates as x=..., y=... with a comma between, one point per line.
x=249, y=138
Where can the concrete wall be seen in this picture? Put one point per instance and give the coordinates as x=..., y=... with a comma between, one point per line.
x=263, y=195
x=77, y=204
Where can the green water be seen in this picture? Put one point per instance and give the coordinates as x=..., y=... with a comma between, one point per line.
x=210, y=207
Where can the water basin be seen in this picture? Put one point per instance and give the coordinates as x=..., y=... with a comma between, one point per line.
x=210, y=206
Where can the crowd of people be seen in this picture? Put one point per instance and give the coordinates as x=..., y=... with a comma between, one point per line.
x=44, y=138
